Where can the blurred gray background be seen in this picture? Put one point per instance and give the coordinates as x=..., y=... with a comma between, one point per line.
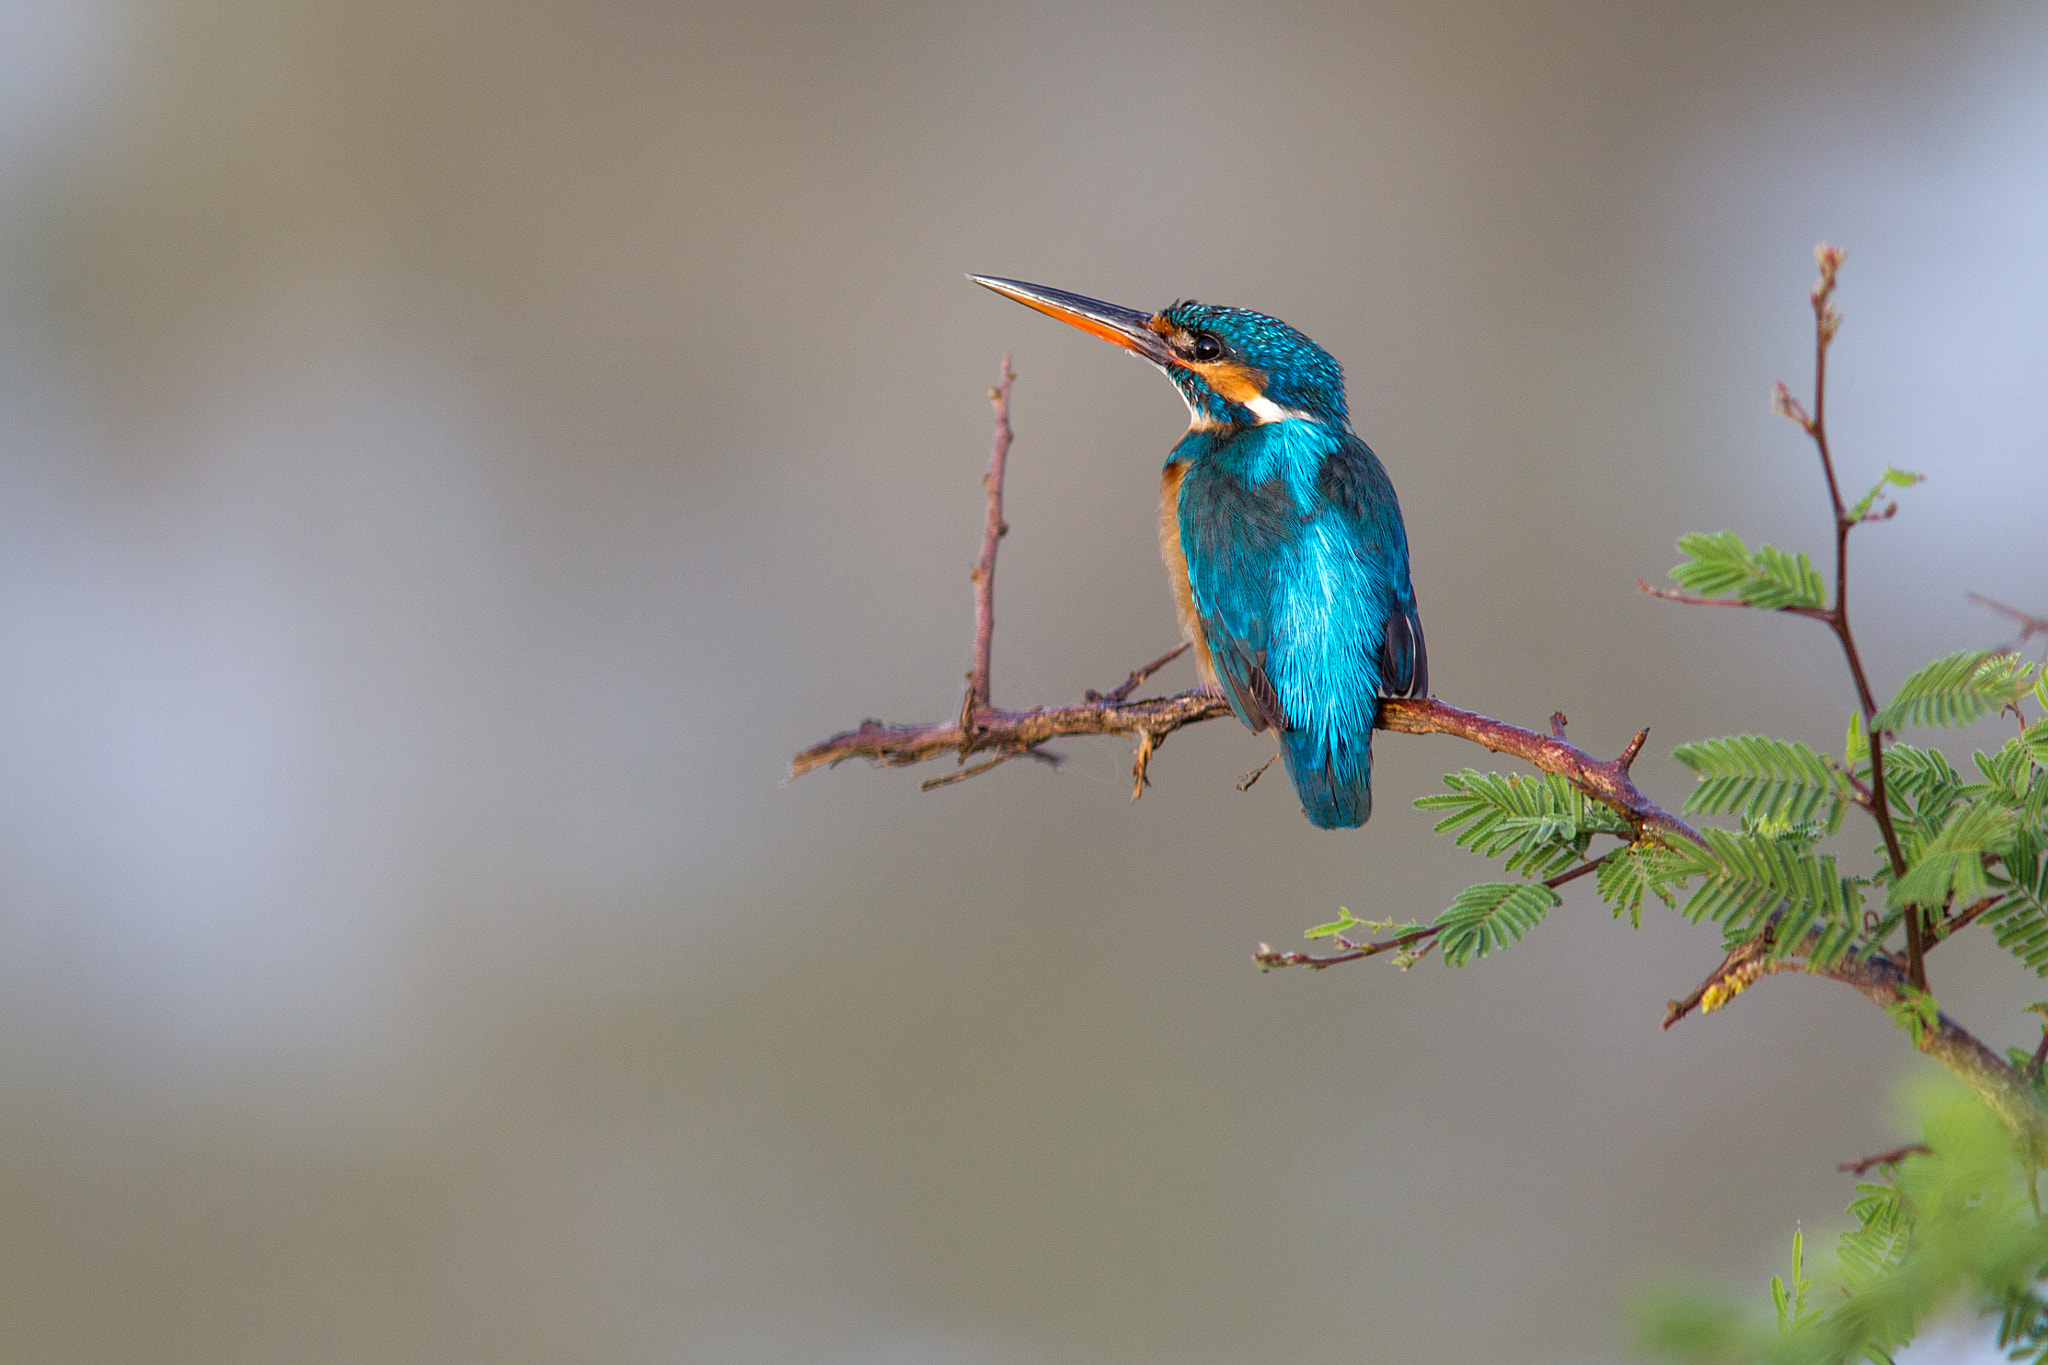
x=451, y=456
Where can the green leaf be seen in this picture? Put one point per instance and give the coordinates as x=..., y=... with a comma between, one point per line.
x=1540, y=825
x=1957, y=690
x=1856, y=744
x=1896, y=478
x=1716, y=564
x=1344, y=921
x=1916, y=1011
x=1630, y=874
x=1877, y=1245
x=1783, y=580
x=2020, y=919
x=1920, y=787
x=2034, y=739
x=1719, y=564
x=1767, y=780
x=1952, y=862
x=1490, y=916
x=1749, y=878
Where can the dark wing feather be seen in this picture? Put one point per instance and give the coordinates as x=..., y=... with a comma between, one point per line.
x=1404, y=658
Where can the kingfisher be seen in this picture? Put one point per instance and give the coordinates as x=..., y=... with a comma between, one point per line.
x=1281, y=535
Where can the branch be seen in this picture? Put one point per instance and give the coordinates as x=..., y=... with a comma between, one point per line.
x=1891, y=1158
x=984, y=573
x=1008, y=734
x=1884, y=982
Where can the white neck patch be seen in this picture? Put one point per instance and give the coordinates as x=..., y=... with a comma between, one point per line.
x=1266, y=410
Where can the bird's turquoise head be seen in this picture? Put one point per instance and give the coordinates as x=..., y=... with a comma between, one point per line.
x=1235, y=367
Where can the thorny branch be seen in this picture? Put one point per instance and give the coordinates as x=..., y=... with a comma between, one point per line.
x=983, y=729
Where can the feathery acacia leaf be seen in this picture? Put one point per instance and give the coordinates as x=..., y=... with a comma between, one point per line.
x=1765, y=779
x=1631, y=874
x=1490, y=916
x=1877, y=1243
x=1920, y=786
x=2020, y=919
x=1957, y=690
x=1719, y=564
x=1749, y=877
x=1541, y=825
x=1952, y=862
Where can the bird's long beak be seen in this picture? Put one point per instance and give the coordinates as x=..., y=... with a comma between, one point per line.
x=1127, y=327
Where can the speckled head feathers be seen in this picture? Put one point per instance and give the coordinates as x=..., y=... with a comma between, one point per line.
x=1230, y=357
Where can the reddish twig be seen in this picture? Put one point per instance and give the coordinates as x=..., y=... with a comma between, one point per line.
x=2030, y=625
x=1891, y=1158
x=1671, y=595
x=1955, y=924
x=1826, y=322
x=1138, y=675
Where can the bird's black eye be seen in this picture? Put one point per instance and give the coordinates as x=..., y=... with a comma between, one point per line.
x=1207, y=347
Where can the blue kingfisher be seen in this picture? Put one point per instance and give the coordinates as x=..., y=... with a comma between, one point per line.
x=1281, y=535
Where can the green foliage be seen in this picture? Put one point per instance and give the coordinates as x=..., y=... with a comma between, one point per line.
x=1765, y=779
x=1628, y=875
x=1793, y=1310
x=1920, y=787
x=1953, y=1226
x=2020, y=919
x=1540, y=825
x=1950, y=865
x=1720, y=565
x=1916, y=1012
x=1896, y=478
x=1751, y=880
x=1491, y=915
x=1855, y=744
x=1877, y=1244
x=1957, y=690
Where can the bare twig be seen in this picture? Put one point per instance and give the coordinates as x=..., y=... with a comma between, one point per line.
x=1244, y=784
x=2029, y=624
x=1138, y=675
x=984, y=573
x=1891, y=1158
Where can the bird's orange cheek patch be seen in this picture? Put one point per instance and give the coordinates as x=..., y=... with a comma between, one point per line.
x=1236, y=383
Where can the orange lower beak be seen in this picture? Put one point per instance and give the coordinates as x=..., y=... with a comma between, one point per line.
x=1126, y=327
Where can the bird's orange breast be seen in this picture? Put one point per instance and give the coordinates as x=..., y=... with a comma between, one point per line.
x=1177, y=570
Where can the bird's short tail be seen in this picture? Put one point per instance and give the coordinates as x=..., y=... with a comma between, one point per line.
x=1332, y=775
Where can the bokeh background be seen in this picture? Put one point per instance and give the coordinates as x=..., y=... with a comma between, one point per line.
x=451, y=455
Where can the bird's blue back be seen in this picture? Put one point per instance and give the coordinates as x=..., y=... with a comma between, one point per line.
x=1298, y=562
